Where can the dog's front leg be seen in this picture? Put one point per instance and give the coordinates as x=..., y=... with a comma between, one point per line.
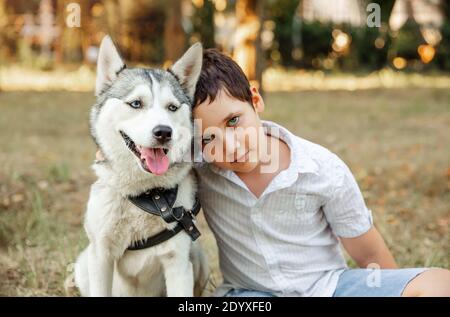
x=101, y=269
x=179, y=275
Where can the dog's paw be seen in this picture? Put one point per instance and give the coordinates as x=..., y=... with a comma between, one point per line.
x=70, y=287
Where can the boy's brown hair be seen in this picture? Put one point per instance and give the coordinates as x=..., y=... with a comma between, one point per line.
x=219, y=71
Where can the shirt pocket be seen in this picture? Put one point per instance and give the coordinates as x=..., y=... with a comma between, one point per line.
x=296, y=212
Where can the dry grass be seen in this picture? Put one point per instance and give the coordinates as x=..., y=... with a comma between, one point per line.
x=395, y=141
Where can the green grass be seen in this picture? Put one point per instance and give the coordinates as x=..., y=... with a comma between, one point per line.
x=396, y=142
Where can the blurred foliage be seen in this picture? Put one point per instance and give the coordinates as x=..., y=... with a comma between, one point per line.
x=315, y=38
x=364, y=50
x=408, y=39
x=203, y=24
x=148, y=26
x=282, y=12
x=295, y=44
x=314, y=42
x=443, y=51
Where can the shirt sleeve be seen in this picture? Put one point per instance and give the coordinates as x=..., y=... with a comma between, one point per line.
x=346, y=211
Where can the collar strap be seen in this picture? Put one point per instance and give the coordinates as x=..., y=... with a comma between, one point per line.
x=159, y=202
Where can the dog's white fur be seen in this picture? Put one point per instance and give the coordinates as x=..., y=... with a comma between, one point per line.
x=112, y=223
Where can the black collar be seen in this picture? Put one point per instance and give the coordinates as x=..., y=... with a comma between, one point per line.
x=159, y=202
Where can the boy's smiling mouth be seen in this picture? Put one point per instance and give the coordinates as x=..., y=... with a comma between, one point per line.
x=242, y=158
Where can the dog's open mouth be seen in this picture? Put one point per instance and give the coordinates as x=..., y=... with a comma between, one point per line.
x=153, y=160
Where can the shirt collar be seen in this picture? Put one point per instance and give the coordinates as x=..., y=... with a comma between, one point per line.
x=301, y=161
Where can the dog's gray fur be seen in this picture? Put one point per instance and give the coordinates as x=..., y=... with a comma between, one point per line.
x=112, y=223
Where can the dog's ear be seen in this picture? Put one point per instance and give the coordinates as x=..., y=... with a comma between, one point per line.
x=109, y=64
x=187, y=68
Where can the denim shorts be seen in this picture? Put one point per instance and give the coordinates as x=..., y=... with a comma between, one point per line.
x=375, y=283
x=358, y=283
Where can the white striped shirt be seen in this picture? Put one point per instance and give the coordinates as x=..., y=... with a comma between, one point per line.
x=285, y=241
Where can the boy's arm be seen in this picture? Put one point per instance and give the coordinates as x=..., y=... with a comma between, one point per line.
x=351, y=221
x=369, y=248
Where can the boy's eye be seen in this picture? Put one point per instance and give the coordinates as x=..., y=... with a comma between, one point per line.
x=172, y=107
x=208, y=139
x=233, y=121
x=135, y=104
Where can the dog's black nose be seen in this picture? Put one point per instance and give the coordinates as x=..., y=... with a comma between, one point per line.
x=162, y=133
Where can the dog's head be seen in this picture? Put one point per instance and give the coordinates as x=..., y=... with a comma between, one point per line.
x=144, y=116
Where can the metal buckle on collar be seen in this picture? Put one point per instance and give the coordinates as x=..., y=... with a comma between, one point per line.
x=173, y=213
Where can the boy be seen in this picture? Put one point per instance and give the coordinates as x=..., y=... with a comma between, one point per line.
x=278, y=205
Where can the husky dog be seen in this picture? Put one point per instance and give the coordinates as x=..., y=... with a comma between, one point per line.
x=142, y=123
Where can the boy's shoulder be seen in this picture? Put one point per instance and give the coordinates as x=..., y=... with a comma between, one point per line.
x=329, y=169
x=305, y=150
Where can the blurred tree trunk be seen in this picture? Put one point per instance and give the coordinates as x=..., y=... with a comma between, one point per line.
x=247, y=46
x=47, y=31
x=114, y=20
x=73, y=41
x=203, y=23
x=260, y=61
x=61, y=24
x=3, y=24
x=86, y=26
x=174, y=36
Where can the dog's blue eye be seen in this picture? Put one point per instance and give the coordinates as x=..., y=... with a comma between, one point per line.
x=172, y=107
x=135, y=104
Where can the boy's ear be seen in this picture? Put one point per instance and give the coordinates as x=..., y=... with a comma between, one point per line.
x=188, y=68
x=257, y=100
x=109, y=64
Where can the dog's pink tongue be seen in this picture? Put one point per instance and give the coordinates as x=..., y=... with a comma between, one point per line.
x=155, y=159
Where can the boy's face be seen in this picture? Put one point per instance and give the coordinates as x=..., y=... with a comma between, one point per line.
x=231, y=131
